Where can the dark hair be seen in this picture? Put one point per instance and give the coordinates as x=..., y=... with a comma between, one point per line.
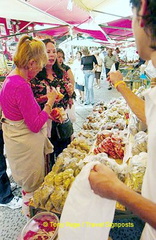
x=48, y=40
x=59, y=50
x=57, y=70
x=79, y=53
x=150, y=17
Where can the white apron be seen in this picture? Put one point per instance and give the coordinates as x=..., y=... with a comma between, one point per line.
x=149, y=183
x=25, y=152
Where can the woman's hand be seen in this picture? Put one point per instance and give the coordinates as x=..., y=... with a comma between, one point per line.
x=60, y=95
x=114, y=77
x=104, y=182
x=52, y=95
x=51, y=98
x=58, y=115
x=69, y=88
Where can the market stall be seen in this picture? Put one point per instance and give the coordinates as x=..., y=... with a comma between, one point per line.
x=110, y=135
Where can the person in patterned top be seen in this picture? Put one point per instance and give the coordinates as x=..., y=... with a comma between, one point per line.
x=53, y=76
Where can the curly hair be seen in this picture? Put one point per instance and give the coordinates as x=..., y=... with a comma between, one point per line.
x=150, y=17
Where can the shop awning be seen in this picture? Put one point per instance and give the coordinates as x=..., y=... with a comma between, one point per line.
x=21, y=10
x=118, y=29
x=110, y=17
x=104, y=11
x=79, y=12
x=61, y=10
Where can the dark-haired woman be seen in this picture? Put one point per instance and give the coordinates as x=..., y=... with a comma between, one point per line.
x=103, y=181
x=53, y=76
x=60, y=61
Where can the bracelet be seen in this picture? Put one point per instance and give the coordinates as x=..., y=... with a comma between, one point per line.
x=49, y=105
x=118, y=83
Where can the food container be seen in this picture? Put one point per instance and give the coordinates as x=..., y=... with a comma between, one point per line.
x=153, y=82
x=43, y=225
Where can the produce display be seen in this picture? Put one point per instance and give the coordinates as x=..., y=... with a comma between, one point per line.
x=104, y=138
x=113, y=145
x=132, y=74
x=136, y=171
x=53, y=192
x=88, y=134
x=140, y=143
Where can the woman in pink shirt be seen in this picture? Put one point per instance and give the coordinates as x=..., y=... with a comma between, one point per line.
x=23, y=121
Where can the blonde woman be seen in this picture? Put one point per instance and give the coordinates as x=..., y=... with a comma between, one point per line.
x=23, y=121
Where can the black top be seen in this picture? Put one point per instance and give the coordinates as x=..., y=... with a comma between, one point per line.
x=65, y=67
x=87, y=62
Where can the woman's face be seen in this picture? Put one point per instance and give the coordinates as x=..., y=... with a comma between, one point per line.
x=60, y=58
x=33, y=69
x=78, y=55
x=52, y=55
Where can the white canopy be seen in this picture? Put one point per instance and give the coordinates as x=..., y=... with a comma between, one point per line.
x=103, y=11
x=21, y=10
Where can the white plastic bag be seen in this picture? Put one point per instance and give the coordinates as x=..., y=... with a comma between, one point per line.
x=79, y=77
x=85, y=215
x=71, y=113
x=113, y=68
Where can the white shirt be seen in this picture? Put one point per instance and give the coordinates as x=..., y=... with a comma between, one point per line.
x=149, y=183
x=78, y=73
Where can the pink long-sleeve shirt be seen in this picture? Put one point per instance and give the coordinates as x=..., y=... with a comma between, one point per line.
x=17, y=102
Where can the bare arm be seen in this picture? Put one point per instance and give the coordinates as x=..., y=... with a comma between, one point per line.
x=71, y=77
x=136, y=104
x=105, y=183
x=141, y=206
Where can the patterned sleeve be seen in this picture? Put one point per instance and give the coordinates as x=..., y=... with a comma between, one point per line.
x=39, y=89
